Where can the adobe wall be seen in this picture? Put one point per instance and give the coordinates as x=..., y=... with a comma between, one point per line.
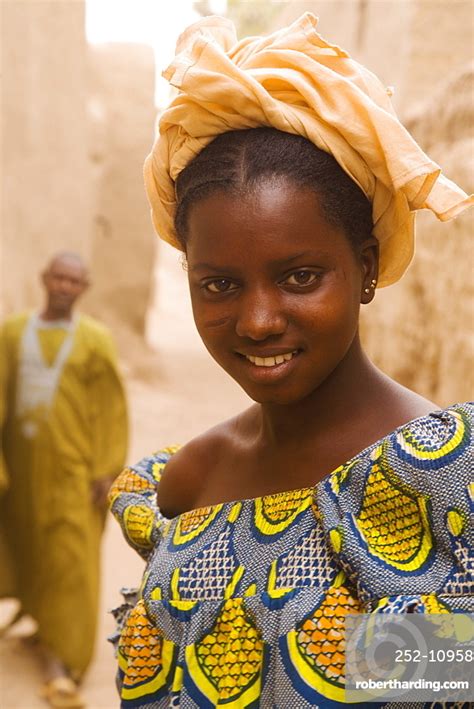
x=420, y=330
x=77, y=122
x=121, y=116
x=46, y=197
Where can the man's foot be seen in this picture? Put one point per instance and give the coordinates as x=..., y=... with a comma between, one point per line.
x=16, y=617
x=62, y=693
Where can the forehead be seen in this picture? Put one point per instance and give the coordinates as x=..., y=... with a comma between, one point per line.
x=275, y=219
x=67, y=266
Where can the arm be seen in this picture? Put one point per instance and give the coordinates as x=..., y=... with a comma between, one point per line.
x=133, y=503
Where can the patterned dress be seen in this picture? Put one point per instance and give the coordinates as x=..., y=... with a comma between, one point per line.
x=243, y=603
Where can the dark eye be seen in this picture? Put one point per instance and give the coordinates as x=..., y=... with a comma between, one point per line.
x=220, y=285
x=301, y=278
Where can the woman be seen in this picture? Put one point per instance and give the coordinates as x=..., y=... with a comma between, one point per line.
x=283, y=174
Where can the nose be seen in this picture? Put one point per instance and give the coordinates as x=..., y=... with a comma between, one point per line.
x=261, y=315
x=66, y=285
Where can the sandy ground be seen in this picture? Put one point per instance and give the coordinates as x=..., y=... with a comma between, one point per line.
x=174, y=394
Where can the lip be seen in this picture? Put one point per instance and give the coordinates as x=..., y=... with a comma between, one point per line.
x=273, y=352
x=268, y=375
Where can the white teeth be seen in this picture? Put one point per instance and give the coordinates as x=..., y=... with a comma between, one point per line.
x=270, y=361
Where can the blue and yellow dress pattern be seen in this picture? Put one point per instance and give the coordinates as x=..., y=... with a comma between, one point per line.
x=242, y=603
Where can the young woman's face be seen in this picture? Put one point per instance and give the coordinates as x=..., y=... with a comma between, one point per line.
x=275, y=289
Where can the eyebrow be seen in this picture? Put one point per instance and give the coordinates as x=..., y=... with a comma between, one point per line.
x=207, y=267
x=277, y=262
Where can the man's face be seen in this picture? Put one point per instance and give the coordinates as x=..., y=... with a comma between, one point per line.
x=64, y=280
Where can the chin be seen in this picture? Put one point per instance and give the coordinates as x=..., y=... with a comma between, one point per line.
x=281, y=396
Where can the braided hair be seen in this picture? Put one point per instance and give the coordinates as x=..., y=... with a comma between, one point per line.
x=236, y=162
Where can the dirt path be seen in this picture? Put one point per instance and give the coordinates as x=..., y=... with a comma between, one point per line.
x=179, y=393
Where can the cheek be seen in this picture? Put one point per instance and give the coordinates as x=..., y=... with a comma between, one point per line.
x=211, y=323
x=211, y=326
x=331, y=314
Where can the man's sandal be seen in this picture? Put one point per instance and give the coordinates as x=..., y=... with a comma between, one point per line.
x=62, y=693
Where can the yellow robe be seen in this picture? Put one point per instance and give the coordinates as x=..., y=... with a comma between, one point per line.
x=50, y=526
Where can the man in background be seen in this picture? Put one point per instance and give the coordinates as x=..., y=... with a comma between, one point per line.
x=64, y=433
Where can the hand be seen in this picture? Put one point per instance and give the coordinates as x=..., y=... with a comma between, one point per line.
x=99, y=491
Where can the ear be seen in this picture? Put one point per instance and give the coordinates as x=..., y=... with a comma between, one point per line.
x=369, y=259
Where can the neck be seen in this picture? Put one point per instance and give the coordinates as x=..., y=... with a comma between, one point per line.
x=50, y=314
x=345, y=394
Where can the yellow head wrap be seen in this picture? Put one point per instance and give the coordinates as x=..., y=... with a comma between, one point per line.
x=295, y=81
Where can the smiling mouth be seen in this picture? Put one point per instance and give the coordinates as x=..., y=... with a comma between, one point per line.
x=271, y=361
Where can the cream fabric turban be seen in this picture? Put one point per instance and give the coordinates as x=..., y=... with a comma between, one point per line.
x=296, y=81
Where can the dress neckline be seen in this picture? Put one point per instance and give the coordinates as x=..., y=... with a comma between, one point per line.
x=309, y=488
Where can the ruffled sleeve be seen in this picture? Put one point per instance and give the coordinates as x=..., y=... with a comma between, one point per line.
x=399, y=516
x=133, y=501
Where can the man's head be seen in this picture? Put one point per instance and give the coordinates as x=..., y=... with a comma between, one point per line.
x=65, y=278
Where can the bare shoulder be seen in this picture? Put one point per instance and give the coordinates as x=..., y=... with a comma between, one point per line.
x=399, y=403
x=190, y=468
x=414, y=405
